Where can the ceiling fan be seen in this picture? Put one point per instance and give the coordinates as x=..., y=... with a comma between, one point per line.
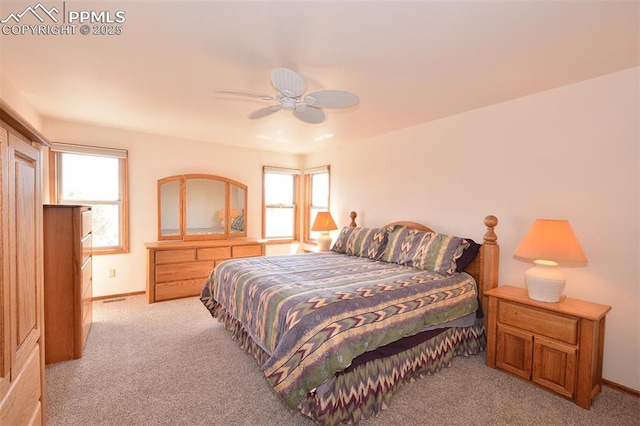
x=290, y=96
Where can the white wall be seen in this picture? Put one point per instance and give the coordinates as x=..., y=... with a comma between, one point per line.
x=569, y=153
x=16, y=101
x=150, y=158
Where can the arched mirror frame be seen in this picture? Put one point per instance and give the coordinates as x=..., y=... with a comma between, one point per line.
x=232, y=208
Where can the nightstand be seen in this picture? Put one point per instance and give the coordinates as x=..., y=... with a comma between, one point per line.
x=558, y=346
x=309, y=248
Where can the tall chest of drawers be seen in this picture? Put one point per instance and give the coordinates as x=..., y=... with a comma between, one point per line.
x=67, y=280
x=180, y=268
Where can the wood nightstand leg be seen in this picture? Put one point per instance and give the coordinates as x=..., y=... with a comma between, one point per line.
x=589, y=362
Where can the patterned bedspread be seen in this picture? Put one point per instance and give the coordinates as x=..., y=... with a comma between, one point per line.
x=314, y=313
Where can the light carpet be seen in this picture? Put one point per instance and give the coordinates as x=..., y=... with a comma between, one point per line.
x=171, y=363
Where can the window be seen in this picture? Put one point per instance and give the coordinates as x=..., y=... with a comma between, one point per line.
x=280, y=201
x=96, y=177
x=316, y=198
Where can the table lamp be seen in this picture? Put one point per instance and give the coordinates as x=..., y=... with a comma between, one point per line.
x=547, y=243
x=324, y=223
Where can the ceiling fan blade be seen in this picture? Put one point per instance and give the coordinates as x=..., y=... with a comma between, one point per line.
x=287, y=82
x=309, y=114
x=263, y=112
x=331, y=99
x=245, y=93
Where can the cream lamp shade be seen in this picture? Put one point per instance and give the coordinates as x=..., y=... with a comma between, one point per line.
x=547, y=243
x=324, y=223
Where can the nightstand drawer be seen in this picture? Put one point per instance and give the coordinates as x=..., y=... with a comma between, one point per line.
x=546, y=323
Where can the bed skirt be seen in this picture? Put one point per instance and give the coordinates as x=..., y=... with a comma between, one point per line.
x=365, y=390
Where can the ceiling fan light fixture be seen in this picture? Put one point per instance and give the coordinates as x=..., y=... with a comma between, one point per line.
x=289, y=96
x=288, y=104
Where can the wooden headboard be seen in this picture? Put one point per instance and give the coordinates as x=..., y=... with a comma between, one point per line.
x=484, y=268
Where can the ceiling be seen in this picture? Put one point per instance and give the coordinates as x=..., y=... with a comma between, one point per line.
x=409, y=62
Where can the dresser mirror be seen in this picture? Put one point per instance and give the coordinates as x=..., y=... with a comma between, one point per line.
x=169, y=205
x=201, y=207
x=238, y=202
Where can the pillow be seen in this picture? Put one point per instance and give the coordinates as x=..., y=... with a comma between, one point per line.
x=468, y=255
x=340, y=244
x=237, y=224
x=402, y=243
x=440, y=254
x=424, y=250
x=361, y=242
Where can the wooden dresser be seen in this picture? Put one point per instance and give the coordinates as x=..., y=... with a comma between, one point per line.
x=180, y=269
x=558, y=346
x=67, y=280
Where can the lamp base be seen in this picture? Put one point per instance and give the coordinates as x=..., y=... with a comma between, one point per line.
x=324, y=242
x=545, y=282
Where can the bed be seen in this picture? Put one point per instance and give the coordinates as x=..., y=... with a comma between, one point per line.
x=337, y=333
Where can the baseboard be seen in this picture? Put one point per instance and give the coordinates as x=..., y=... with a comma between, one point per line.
x=621, y=388
x=115, y=296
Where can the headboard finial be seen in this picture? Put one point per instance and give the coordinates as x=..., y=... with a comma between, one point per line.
x=353, y=216
x=490, y=236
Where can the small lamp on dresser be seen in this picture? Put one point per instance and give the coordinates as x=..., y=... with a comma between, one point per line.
x=324, y=223
x=547, y=243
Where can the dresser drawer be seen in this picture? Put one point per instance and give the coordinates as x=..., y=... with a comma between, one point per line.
x=187, y=271
x=176, y=289
x=87, y=313
x=86, y=247
x=86, y=222
x=546, y=323
x=180, y=269
x=86, y=274
x=175, y=256
x=214, y=253
x=246, y=251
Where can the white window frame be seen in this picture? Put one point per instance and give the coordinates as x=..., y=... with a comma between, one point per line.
x=309, y=235
x=294, y=206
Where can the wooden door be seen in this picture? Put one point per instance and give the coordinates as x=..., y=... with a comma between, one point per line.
x=515, y=350
x=554, y=366
x=25, y=250
x=24, y=400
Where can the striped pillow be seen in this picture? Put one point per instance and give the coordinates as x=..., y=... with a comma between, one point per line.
x=402, y=243
x=424, y=250
x=361, y=242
